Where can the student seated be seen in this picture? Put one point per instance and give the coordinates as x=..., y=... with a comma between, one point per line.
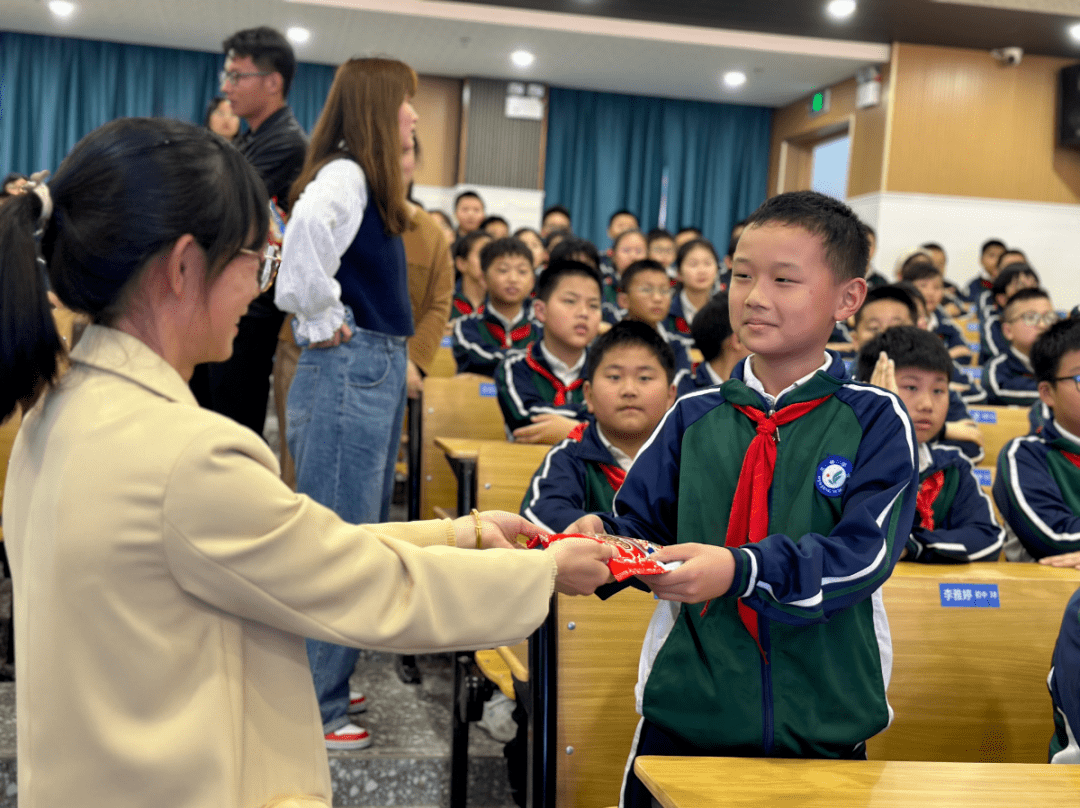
x=576, y=249
x=688, y=233
x=978, y=288
x=556, y=217
x=1064, y=686
x=926, y=277
x=660, y=247
x=719, y=344
x=495, y=226
x=1005, y=260
x=539, y=388
x=469, y=212
x=470, y=291
x=629, y=246
x=480, y=341
x=1009, y=281
x=697, y=270
x=618, y=223
x=874, y=279
x=954, y=522
x=883, y=308
x=645, y=296
x=534, y=242
x=1037, y=488
x=628, y=388
x=1009, y=377
x=772, y=597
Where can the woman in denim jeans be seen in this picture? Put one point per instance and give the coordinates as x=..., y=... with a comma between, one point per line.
x=344, y=277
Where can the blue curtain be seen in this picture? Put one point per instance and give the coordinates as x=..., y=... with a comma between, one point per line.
x=54, y=90
x=607, y=151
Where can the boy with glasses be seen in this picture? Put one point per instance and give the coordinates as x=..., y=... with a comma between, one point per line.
x=1010, y=378
x=645, y=293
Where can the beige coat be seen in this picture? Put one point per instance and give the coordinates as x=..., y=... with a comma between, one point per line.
x=165, y=577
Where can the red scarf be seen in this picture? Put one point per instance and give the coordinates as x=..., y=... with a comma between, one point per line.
x=682, y=326
x=518, y=334
x=1072, y=457
x=616, y=475
x=924, y=500
x=749, y=520
x=560, y=389
x=465, y=307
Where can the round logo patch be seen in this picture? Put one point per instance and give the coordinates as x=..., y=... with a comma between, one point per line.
x=832, y=475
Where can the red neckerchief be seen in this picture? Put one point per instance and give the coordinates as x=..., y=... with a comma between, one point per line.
x=749, y=519
x=466, y=308
x=616, y=475
x=1072, y=457
x=986, y=284
x=518, y=334
x=924, y=500
x=682, y=326
x=560, y=389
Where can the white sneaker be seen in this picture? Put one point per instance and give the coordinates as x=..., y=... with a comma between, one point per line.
x=348, y=737
x=497, y=720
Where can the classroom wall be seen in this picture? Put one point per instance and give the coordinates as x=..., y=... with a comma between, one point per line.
x=438, y=103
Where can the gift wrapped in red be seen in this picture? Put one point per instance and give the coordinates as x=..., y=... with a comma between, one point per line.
x=632, y=555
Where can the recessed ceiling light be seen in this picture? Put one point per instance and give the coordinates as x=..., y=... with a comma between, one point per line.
x=734, y=78
x=298, y=35
x=841, y=9
x=61, y=8
x=1074, y=31
x=522, y=58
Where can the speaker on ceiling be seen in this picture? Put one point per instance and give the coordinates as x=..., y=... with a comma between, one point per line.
x=1069, y=107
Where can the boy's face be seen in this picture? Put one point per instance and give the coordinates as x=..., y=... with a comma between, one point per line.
x=469, y=213
x=784, y=299
x=631, y=248
x=648, y=297
x=470, y=267
x=663, y=250
x=698, y=270
x=1063, y=396
x=878, y=316
x=497, y=229
x=1026, y=321
x=509, y=279
x=937, y=258
x=620, y=224
x=933, y=290
x=571, y=315
x=925, y=393
x=989, y=259
x=629, y=393
x=536, y=245
x=554, y=221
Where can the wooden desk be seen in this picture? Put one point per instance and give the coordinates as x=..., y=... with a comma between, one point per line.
x=461, y=454
x=678, y=782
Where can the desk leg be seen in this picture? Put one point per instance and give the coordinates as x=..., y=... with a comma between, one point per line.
x=466, y=492
x=459, y=735
x=543, y=754
x=415, y=410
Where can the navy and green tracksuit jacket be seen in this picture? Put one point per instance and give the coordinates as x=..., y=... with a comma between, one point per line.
x=571, y=482
x=524, y=392
x=944, y=327
x=480, y=344
x=992, y=342
x=1009, y=379
x=676, y=324
x=684, y=366
x=964, y=525
x=815, y=581
x=1064, y=685
x=1037, y=490
x=461, y=305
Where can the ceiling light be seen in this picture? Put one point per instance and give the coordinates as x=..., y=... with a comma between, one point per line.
x=841, y=9
x=298, y=36
x=1074, y=31
x=735, y=78
x=522, y=58
x=61, y=8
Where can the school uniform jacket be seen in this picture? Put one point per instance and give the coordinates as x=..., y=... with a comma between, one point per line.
x=992, y=340
x=943, y=325
x=524, y=389
x=578, y=476
x=1037, y=491
x=1064, y=685
x=1010, y=380
x=676, y=324
x=703, y=378
x=978, y=292
x=973, y=393
x=480, y=342
x=814, y=580
x=684, y=366
x=461, y=306
x=960, y=525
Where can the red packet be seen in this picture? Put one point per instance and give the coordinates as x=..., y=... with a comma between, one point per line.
x=632, y=555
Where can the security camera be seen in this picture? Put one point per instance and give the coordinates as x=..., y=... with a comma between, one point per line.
x=1008, y=56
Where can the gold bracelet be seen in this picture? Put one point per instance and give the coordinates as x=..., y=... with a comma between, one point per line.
x=479, y=530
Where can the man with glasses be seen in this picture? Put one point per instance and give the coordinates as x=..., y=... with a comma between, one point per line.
x=1009, y=377
x=259, y=67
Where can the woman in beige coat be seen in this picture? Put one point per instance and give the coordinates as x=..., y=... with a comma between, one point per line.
x=164, y=575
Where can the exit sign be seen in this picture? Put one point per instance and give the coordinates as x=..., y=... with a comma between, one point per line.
x=819, y=103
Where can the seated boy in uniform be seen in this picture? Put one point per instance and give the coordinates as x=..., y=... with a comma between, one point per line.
x=1009, y=281
x=540, y=388
x=719, y=344
x=645, y=295
x=788, y=494
x=1064, y=686
x=470, y=289
x=954, y=521
x=1037, y=488
x=628, y=388
x=1009, y=377
x=927, y=278
x=977, y=291
x=480, y=341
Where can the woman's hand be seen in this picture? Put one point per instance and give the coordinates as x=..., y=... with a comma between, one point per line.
x=706, y=573
x=581, y=565
x=343, y=334
x=499, y=529
x=414, y=380
x=589, y=523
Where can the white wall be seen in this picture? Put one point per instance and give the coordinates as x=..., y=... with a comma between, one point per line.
x=1049, y=234
x=520, y=207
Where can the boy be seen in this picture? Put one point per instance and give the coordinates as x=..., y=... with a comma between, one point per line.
x=979, y=286
x=689, y=233
x=1009, y=281
x=954, y=522
x=927, y=278
x=1009, y=376
x=1037, y=488
x=495, y=226
x=629, y=386
x=660, y=247
x=1064, y=685
x=480, y=341
x=556, y=217
x=719, y=344
x=874, y=279
x=539, y=389
x=776, y=652
x=883, y=308
x=469, y=212
x=470, y=289
x=645, y=294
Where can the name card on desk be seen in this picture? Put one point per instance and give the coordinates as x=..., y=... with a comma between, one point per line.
x=975, y=374
x=983, y=416
x=487, y=390
x=973, y=326
x=970, y=596
x=447, y=342
x=983, y=476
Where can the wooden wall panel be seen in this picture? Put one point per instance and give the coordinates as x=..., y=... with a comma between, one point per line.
x=963, y=125
x=438, y=103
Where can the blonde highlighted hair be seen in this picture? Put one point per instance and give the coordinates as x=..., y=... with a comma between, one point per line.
x=360, y=120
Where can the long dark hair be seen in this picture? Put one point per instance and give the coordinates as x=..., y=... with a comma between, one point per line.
x=125, y=193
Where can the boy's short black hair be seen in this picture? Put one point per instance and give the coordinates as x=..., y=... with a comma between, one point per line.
x=555, y=271
x=558, y=234
x=502, y=247
x=267, y=49
x=909, y=347
x=933, y=245
x=919, y=270
x=622, y=212
x=1010, y=274
x=889, y=292
x=636, y=268
x=843, y=236
x=467, y=195
x=711, y=326
x=1012, y=251
x=1060, y=338
x=693, y=243
x=631, y=333
x=992, y=242
x=464, y=244
x=691, y=228
x=556, y=209
x=869, y=230
x=626, y=234
x=517, y=233
x=492, y=219
x=578, y=249
x=657, y=234
x=1036, y=293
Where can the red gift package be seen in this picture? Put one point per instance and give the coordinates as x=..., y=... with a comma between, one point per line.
x=632, y=555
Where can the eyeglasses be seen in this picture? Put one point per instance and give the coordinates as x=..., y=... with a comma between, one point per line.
x=233, y=77
x=653, y=291
x=271, y=262
x=1075, y=380
x=1033, y=318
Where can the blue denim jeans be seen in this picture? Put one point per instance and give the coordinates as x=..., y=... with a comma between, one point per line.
x=345, y=411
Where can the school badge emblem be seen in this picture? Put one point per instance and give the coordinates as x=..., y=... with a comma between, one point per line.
x=832, y=475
